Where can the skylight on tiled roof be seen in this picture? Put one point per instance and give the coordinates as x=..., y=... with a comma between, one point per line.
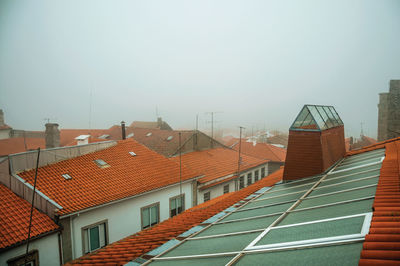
x=67, y=176
x=316, y=118
x=130, y=135
x=101, y=163
x=306, y=220
x=169, y=138
x=132, y=153
x=149, y=134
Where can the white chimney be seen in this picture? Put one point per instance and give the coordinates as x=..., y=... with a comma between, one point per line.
x=83, y=139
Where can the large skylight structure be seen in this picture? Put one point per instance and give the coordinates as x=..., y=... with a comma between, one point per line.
x=320, y=218
x=316, y=118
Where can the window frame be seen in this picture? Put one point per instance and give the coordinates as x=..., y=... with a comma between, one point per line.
x=225, y=191
x=262, y=172
x=33, y=256
x=249, y=176
x=84, y=235
x=183, y=204
x=241, y=182
x=209, y=196
x=146, y=207
x=256, y=175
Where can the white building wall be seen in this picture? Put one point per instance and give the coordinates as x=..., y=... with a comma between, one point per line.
x=124, y=218
x=218, y=190
x=5, y=134
x=46, y=246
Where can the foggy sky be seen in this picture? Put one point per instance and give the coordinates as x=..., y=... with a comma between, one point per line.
x=256, y=62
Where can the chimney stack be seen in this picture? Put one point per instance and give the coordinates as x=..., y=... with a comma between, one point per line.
x=1, y=118
x=123, y=129
x=159, y=122
x=316, y=142
x=52, y=135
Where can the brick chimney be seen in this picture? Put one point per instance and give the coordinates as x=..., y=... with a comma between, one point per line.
x=52, y=135
x=316, y=142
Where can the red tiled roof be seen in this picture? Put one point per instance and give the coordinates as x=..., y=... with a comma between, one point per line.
x=382, y=244
x=217, y=162
x=262, y=150
x=16, y=145
x=91, y=185
x=14, y=217
x=68, y=136
x=5, y=126
x=131, y=247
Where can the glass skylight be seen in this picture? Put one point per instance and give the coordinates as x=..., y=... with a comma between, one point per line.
x=169, y=138
x=132, y=153
x=149, y=134
x=316, y=118
x=101, y=163
x=130, y=135
x=293, y=221
x=67, y=176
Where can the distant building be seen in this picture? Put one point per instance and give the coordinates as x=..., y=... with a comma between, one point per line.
x=159, y=124
x=389, y=112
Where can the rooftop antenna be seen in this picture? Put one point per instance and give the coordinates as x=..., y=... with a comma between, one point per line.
x=90, y=109
x=239, y=159
x=180, y=165
x=212, y=126
x=362, y=131
x=33, y=203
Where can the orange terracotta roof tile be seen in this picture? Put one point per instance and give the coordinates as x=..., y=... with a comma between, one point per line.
x=14, y=217
x=142, y=242
x=217, y=162
x=262, y=150
x=92, y=185
x=382, y=244
x=16, y=145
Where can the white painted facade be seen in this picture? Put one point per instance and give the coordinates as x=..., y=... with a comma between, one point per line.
x=218, y=190
x=46, y=246
x=124, y=217
x=5, y=133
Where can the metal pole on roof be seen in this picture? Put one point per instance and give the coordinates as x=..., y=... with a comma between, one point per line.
x=239, y=159
x=33, y=202
x=180, y=165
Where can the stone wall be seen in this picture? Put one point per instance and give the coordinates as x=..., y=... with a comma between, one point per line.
x=389, y=112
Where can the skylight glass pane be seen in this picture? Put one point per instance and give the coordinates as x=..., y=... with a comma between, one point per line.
x=258, y=223
x=336, y=115
x=100, y=162
x=317, y=117
x=349, y=195
x=301, y=117
x=346, y=226
x=268, y=201
x=195, y=261
x=359, y=163
x=331, y=117
x=332, y=255
x=324, y=116
x=350, y=177
x=286, y=191
x=257, y=212
x=354, y=171
x=327, y=189
x=328, y=212
x=213, y=245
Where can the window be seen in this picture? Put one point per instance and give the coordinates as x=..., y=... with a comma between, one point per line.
x=176, y=205
x=150, y=215
x=206, y=196
x=249, y=177
x=255, y=175
x=262, y=172
x=94, y=236
x=241, y=182
x=101, y=163
x=67, y=176
x=32, y=259
x=226, y=189
x=132, y=153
